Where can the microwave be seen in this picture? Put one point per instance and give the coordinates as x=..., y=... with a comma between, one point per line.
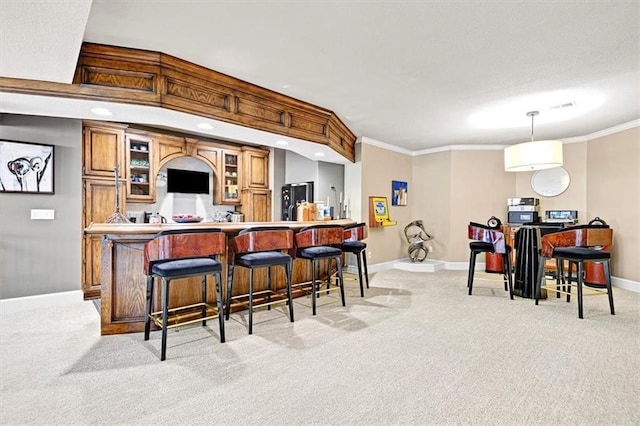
x=523, y=217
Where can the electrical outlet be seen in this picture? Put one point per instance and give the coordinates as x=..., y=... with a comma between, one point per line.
x=368, y=254
x=430, y=249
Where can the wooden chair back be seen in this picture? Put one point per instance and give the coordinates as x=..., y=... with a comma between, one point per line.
x=179, y=244
x=357, y=232
x=578, y=236
x=254, y=240
x=319, y=235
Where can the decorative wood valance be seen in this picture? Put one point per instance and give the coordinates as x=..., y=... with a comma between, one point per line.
x=118, y=74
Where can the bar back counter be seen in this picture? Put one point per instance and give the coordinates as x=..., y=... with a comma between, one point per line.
x=123, y=282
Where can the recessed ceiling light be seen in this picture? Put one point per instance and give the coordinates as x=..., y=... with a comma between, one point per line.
x=285, y=86
x=205, y=126
x=319, y=154
x=101, y=111
x=282, y=142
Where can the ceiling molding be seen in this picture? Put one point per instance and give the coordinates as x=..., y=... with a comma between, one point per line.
x=615, y=129
x=384, y=145
x=599, y=134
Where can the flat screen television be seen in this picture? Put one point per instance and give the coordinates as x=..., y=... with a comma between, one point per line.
x=187, y=181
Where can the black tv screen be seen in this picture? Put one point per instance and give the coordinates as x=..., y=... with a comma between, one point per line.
x=187, y=181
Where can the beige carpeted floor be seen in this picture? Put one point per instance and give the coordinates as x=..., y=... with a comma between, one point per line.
x=416, y=350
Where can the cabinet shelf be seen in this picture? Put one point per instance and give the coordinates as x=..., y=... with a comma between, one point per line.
x=230, y=187
x=141, y=175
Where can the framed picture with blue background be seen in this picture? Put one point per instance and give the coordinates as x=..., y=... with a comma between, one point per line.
x=398, y=193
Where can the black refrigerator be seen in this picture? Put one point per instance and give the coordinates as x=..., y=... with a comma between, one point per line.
x=292, y=194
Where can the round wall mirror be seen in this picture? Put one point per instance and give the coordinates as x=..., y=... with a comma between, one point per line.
x=550, y=182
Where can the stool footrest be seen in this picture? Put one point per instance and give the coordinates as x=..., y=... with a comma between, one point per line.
x=586, y=291
x=177, y=319
x=260, y=298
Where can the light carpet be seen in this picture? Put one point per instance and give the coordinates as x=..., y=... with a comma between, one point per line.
x=416, y=350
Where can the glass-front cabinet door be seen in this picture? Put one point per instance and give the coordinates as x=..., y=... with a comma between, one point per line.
x=230, y=191
x=141, y=178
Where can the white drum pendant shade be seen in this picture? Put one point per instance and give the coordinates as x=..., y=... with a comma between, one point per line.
x=529, y=156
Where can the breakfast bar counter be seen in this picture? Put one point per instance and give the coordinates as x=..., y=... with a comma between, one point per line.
x=123, y=282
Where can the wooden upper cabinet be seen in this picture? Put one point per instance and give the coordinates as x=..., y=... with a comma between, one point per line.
x=230, y=177
x=103, y=149
x=140, y=167
x=255, y=170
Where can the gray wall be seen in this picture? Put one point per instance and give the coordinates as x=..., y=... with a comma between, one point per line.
x=43, y=256
x=329, y=175
x=323, y=175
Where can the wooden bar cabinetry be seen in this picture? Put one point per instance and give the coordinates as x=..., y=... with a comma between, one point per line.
x=123, y=283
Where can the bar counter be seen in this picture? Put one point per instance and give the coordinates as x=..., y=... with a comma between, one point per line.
x=123, y=283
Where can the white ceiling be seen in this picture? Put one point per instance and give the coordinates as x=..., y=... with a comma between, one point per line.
x=413, y=74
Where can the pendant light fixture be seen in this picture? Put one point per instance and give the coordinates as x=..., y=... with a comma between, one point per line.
x=529, y=156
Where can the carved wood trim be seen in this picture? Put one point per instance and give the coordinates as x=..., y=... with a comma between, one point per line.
x=118, y=74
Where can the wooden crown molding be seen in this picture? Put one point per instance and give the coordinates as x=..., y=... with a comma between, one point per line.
x=118, y=74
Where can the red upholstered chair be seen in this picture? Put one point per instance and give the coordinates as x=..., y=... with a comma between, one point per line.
x=489, y=240
x=576, y=245
x=176, y=254
x=317, y=243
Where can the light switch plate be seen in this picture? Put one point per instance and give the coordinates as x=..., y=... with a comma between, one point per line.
x=43, y=214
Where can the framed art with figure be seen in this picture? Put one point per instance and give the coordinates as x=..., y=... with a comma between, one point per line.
x=398, y=193
x=26, y=168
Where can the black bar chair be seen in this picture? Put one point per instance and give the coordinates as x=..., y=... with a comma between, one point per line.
x=486, y=239
x=353, y=234
x=256, y=248
x=176, y=254
x=577, y=245
x=319, y=243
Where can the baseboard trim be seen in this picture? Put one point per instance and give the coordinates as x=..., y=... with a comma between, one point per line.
x=27, y=303
x=623, y=283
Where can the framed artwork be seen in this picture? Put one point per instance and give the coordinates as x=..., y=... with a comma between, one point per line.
x=26, y=168
x=398, y=193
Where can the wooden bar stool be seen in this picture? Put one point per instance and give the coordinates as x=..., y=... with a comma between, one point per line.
x=260, y=248
x=175, y=254
x=317, y=243
x=489, y=240
x=576, y=245
x=353, y=234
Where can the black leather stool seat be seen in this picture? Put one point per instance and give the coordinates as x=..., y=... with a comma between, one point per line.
x=186, y=267
x=481, y=246
x=353, y=246
x=319, y=252
x=252, y=260
x=580, y=253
